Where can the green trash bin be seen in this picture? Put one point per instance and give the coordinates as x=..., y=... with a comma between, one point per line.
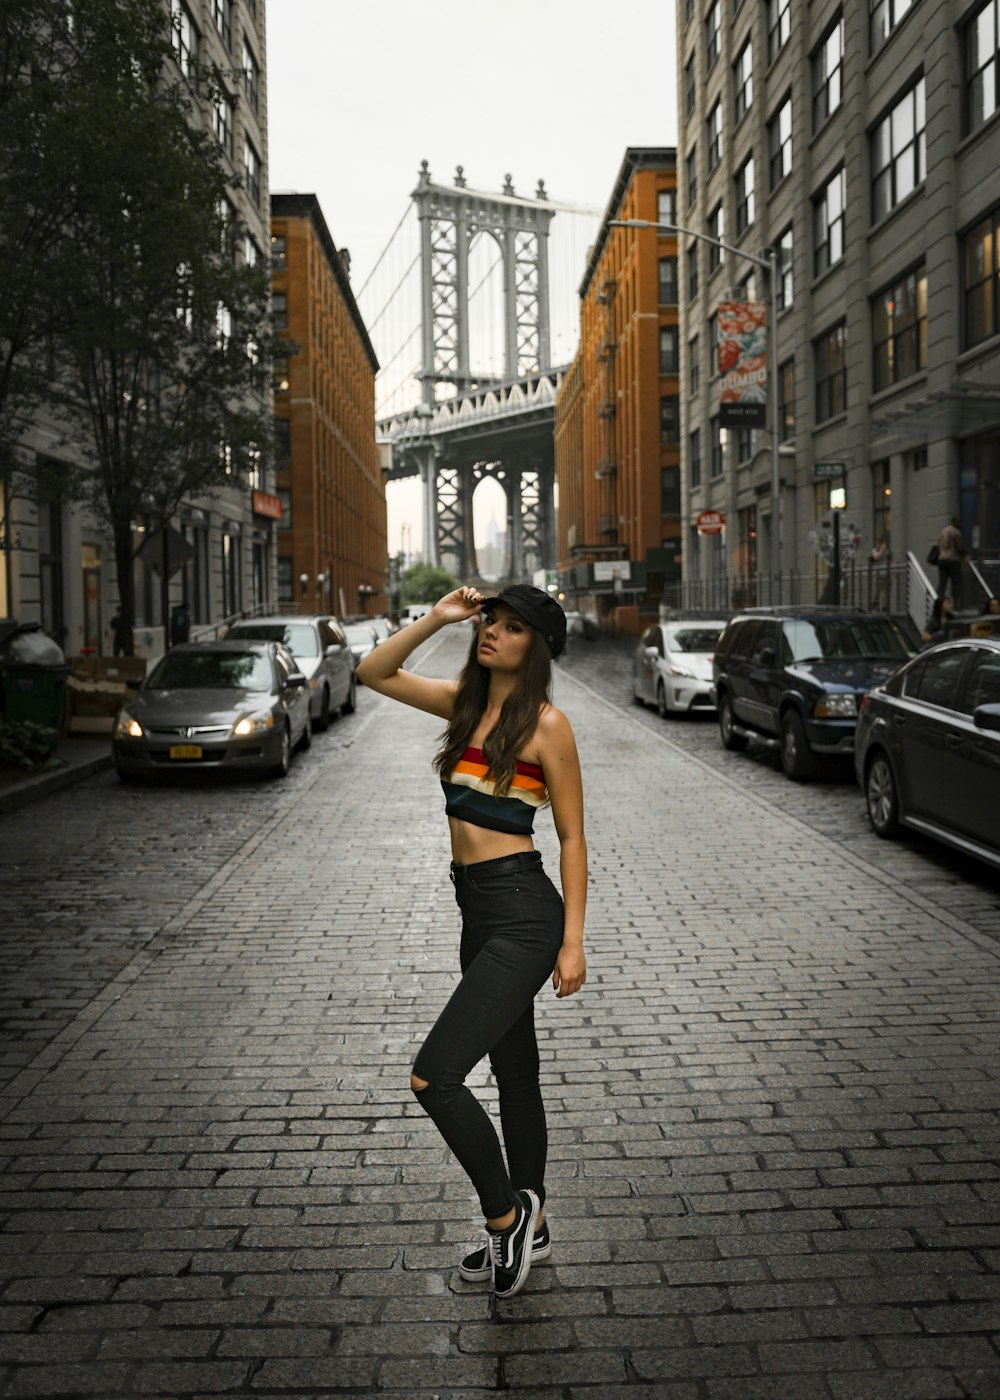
x=33, y=675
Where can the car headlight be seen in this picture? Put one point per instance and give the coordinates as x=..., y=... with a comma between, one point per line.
x=679, y=671
x=253, y=724
x=837, y=707
x=126, y=727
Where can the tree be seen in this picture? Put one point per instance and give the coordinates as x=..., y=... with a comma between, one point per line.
x=426, y=583
x=166, y=338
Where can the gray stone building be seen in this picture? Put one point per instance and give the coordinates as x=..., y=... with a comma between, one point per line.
x=861, y=137
x=60, y=569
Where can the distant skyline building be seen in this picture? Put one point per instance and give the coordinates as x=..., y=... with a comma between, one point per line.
x=860, y=138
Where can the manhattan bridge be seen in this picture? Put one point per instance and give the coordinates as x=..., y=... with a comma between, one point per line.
x=472, y=308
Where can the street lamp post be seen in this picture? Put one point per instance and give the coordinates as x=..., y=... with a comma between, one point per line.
x=770, y=264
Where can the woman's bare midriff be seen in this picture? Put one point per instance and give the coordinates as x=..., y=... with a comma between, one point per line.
x=470, y=844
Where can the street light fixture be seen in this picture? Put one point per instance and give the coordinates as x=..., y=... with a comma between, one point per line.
x=770, y=264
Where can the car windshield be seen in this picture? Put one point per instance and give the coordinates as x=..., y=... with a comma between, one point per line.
x=700, y=639
x=212, y=670
x=359, y=635
x=844, y=639
x=298, y=637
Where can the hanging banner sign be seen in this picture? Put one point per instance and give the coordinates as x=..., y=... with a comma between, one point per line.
x=711, y=522
x=743, y=364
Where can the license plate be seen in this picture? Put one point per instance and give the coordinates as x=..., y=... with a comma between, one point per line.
x=185, y=751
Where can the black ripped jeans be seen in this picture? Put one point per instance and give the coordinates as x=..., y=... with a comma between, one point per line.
x=512, y=928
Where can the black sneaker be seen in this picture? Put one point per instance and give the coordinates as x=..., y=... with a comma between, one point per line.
x=511, y=1248
x=478, y=1266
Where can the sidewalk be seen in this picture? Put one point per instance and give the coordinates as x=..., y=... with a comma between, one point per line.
x=773, y=1118
x=79, y=756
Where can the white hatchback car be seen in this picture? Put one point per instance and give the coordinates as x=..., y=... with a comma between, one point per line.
x=672, y=667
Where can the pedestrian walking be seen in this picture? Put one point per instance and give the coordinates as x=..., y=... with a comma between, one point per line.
x=951, y=554
x=121, y=636
x=506, y=752
x=879, y=561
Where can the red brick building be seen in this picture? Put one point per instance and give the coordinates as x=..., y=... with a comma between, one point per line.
x=617, y=427
x=332, y=545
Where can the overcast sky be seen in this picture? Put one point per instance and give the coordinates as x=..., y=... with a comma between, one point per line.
x=360, y=91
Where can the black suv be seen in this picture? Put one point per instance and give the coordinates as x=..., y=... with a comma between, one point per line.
x=792, y=678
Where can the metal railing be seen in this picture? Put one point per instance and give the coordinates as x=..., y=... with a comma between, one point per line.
x=867, y=587
x=212, y=631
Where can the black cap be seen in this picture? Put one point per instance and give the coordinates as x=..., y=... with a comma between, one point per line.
x=538, y=609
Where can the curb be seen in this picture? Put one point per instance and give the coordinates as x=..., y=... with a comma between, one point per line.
x=32, y=789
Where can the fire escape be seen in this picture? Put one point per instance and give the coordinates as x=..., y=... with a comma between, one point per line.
x=607, y=468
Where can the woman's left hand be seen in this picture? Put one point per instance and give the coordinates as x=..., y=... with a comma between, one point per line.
x=570, y=971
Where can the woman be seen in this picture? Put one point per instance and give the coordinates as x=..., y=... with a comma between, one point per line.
x=505, y=752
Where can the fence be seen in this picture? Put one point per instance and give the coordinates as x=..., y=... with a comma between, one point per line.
x=869, y=588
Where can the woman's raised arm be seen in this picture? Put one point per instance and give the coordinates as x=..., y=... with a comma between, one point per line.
x=380, y=668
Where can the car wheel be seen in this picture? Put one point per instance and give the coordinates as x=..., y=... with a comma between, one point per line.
x=280, y=769
x=662, y=708
x=351, y=703
x=797, y=761
x=305, y=741
x=323, y=720
x=880, y=796
x=732, y=741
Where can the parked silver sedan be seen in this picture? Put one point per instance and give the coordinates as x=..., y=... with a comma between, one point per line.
x=233, y=704
x=672, y=666
x=321, y=653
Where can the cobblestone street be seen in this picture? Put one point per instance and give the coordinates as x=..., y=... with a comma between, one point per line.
x=774, y=1110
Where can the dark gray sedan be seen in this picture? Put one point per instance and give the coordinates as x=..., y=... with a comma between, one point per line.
x=927, y=748
x=238, y=705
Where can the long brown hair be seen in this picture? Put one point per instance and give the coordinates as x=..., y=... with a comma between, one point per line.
x=518, y=716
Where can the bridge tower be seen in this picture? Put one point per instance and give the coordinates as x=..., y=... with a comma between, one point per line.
x=450, y=218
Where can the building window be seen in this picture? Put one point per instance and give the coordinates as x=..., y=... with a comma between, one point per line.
x=786, y=269
x=899, y=329
x=694, y=364
x=716, y=230
x=828, y=222
x=279, y=256
x=743, y=81
x=885, y=15
x=882, y=503
x=666, y=206
x=827, y=74
x=222, y=16
x=831, y=372
x=251, y=169
x=713, y=340
x=713, y=25
x=715, y=430
x=744, y=444
x=670, y=491
x=982, y=65
x=669, y=350
x=286, y=589
x=251, y=77
x=184, y=39
x=692, y=267
x=691, y=83
x=279, y=311
x=981, y=266
x=779, y=143
x=251, y=253
x=692, y=177
x=786, y=400
x=899, y=152
x=745, y=195
x=670, y=419
x=279, y=370
x=714, y=130
x=282, y=443
x=668, y=281
x=222, y=122
x=695, y=458
x=779, y=26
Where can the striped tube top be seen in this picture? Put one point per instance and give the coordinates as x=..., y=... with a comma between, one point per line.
x=471, y=796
